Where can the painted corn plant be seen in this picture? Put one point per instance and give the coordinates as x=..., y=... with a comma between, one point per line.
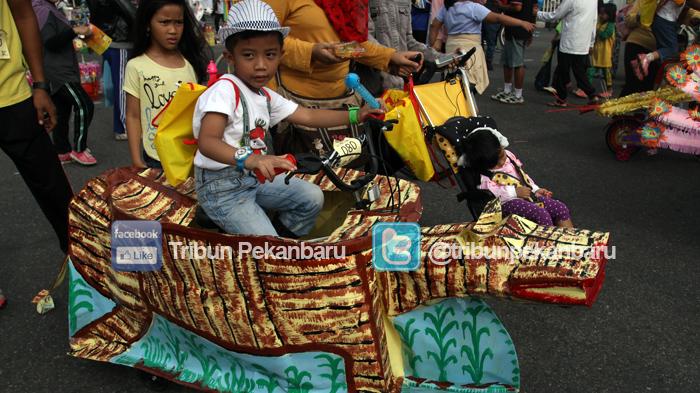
x=235, y=381
x=155, y=354
x=208, y=362
x=408, y=338
x=472, y=336
x=295, y=380
x=439, y=332
x=335, y=372
x=173, y=343
x=269, y=383
x=76, y=290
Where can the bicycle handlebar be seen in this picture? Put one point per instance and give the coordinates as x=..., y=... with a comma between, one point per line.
x=308, y=163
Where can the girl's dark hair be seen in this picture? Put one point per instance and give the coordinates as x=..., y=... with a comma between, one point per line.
x=234, y=39
x=483, y=150
x=449, y=3
x=191, y=45
x=611, y=10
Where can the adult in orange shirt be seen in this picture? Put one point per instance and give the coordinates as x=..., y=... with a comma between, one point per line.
x=309, y=66
x=312, y=75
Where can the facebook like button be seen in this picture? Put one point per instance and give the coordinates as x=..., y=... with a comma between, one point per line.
x=396, y=246
x=137, y=246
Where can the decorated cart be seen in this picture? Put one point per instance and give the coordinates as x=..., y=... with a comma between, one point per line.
x=240, y=323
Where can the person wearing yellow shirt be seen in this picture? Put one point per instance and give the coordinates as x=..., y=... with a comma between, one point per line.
x=26, y=115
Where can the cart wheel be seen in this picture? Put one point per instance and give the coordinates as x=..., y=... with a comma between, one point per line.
x=622, y=138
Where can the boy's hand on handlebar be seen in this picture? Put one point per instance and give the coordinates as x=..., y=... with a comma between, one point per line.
x=267, y=164
x=367, y=111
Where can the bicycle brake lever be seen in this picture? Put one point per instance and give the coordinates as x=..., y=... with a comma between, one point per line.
x=289, y=176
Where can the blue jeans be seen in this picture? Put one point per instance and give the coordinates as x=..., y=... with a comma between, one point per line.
x=666, y=34
x=235, y=201
x=117, y=59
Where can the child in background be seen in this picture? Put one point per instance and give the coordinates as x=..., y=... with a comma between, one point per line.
x=170, y=52
x=61, y=67
x=601, y=59
x=502, y=174
x=665, y=29
x=232, y=120
x=463, y=21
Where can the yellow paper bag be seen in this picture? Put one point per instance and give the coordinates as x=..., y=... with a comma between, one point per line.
x=647, y=11
x=98, y=40
x=407, y=136
x=175, y=141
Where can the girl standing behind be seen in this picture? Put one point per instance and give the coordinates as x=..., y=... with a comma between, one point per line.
x=601, y=59
x=463, y=21
x=61, y=66
x=170, y=52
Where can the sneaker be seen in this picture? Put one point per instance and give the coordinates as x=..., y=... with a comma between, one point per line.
x=580, y=93
x=65, y=158
x=500, y=95
x=550, y=89
x=3, y=299
x=120, y=137
x=512, y=99
x=84, y=157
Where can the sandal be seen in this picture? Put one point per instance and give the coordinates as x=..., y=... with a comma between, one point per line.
x=558, y=104
x=580, y=93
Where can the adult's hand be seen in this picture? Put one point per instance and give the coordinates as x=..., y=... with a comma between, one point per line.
x=45, y=109
x=530, y=27
x=83, y=30
x=322, y=52
x=402, y=64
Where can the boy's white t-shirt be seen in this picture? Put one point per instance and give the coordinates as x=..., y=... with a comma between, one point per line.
x=670, y=11
x=221, y=98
